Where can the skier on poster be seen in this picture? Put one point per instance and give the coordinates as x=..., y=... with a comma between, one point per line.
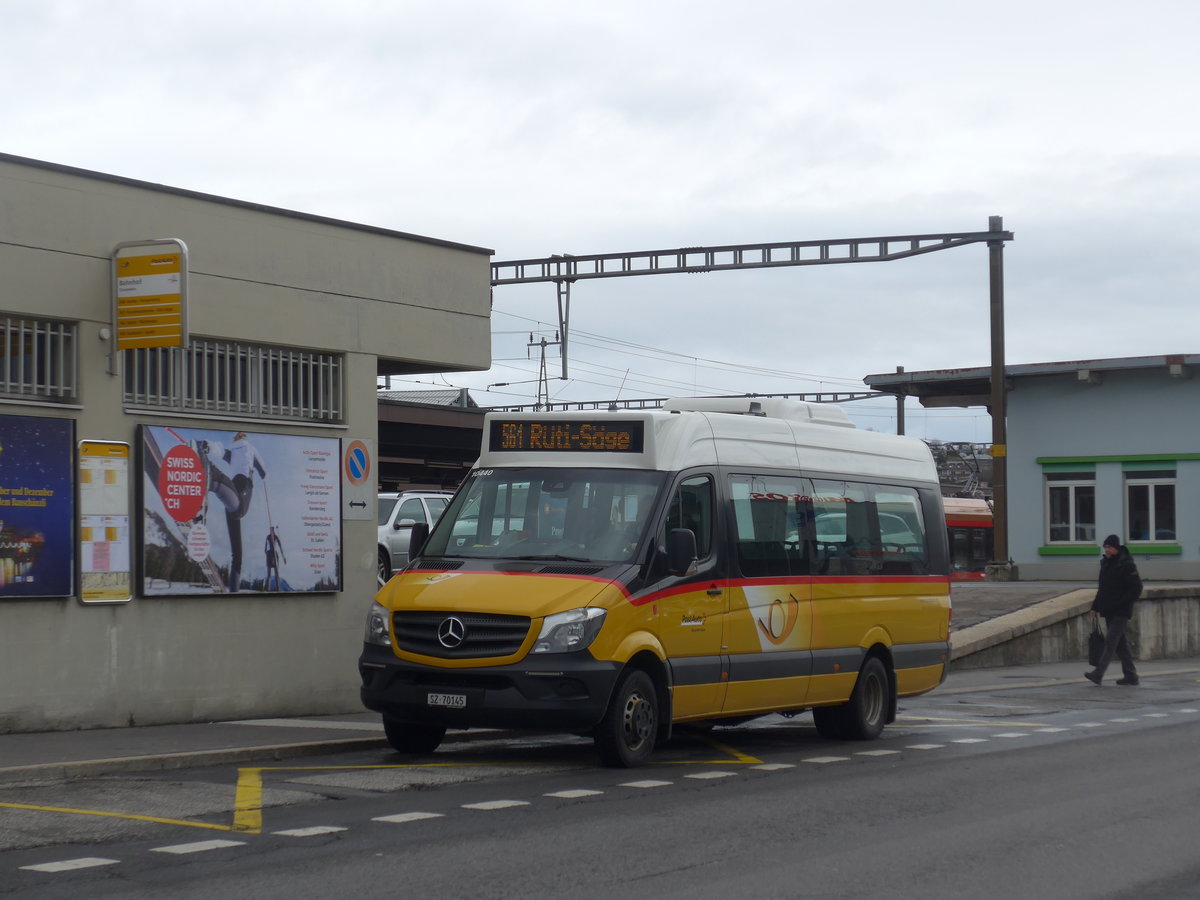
x=235, y=495
x=274, y=551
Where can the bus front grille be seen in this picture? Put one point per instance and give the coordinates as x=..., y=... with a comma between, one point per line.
x=459, y=635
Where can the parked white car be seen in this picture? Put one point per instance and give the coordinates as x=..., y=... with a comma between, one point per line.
x=398, y=513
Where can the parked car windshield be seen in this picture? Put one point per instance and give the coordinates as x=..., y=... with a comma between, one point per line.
x=386, y=505
x=589, y=515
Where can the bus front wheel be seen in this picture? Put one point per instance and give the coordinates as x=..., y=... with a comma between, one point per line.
x=625, y=736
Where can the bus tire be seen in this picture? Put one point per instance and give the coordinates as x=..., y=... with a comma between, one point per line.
x=625, y=736
x=866, y=713
x=411, y=737
x=862, y=717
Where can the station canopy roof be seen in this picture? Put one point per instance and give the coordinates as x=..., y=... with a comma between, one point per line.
x=972, y=387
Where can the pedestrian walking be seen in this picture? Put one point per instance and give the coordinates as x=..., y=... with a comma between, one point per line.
x=1120, y=585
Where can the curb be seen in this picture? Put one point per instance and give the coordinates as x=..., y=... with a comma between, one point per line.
x=61, y=771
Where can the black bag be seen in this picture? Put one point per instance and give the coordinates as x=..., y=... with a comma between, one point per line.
x=1095, y=643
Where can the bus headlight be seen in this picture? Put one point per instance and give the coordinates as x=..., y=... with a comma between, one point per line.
x=377, y=626
x=571, y=630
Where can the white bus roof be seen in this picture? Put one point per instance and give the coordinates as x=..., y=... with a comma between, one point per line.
x=786, y=435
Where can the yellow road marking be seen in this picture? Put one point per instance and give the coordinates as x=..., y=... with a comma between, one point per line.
x=247, y=801
x=738, y=755
x=114, y=815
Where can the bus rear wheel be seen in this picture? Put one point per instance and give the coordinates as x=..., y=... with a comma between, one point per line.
x=625, y=736
x=412, y=737
x=863, y=716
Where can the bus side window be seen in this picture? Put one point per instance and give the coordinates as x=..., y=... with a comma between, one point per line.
x=773, y=516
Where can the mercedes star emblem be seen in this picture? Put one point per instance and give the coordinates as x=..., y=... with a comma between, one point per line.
x=451, y=632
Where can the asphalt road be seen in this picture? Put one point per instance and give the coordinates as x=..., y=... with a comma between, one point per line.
x=1019, y=788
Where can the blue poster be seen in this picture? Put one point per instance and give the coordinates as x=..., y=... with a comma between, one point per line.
x=37, y=507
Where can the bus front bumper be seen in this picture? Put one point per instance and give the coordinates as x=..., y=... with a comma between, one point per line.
x=566, y=691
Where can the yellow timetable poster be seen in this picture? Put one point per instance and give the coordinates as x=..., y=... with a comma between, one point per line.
x=104, y=539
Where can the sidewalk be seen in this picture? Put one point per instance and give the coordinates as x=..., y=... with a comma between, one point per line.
x=63, y=754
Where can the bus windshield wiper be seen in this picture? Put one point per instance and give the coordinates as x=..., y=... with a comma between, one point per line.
x=558, y=556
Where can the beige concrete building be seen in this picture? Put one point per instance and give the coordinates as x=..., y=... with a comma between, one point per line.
x=186, y=533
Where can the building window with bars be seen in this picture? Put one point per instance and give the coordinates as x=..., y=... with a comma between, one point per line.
x=228, y=377
x=38, y=359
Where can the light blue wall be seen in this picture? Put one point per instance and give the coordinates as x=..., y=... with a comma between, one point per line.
x=1130, y=413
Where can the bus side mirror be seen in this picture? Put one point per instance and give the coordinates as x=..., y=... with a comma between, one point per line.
x=417, y=538
x=681, y=550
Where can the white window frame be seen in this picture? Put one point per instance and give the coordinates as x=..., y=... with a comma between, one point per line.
x=1149, y=482
x=1071, y=484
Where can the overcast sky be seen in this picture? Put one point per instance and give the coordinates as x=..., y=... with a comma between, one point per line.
x=534, y=128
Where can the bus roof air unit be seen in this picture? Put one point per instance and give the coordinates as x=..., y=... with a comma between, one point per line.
x=771, y=407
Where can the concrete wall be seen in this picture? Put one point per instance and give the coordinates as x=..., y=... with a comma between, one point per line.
x=1129, y=413
x=258, y=276
x=1166, y=625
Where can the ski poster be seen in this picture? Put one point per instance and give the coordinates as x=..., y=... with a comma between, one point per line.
x=239, y=512
x=37, y=507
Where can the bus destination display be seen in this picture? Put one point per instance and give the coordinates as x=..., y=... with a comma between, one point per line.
x=578, y=436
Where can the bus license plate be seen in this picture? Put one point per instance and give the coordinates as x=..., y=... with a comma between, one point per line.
x=456, y=701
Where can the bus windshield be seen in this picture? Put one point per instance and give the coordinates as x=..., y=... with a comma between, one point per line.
x=586, y=515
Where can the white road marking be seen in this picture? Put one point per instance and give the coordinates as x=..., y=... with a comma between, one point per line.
x=924, y=746
x=647, y=784
x=400, y=818
x=1051, y=730
x=496, y=804
x=826, y=759
x=969, y=741
x=1156, y=715
x=309, y=832
x=1089, y=724
x=1011, y=734
x=876, y=752
x=67, y=865
x=575, y=794
x=198, y=847
x=774, y=767
x=699, y=775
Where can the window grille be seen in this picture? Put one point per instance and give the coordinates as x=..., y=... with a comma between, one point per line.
x=230, y=377
x=39, y=359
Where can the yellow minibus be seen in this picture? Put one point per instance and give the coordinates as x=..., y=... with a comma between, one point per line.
x=618, y=573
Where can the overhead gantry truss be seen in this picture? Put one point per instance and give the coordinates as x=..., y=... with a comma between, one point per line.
x=685, y=260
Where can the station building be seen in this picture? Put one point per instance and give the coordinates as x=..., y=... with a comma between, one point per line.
x=1095, y=447
x=187, y=532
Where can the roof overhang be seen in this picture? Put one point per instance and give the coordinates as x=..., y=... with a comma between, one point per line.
x=973, y=386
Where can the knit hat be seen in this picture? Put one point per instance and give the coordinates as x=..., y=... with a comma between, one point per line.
x=1112, y=541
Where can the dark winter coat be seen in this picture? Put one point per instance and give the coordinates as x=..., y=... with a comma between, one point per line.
x=1120, y=585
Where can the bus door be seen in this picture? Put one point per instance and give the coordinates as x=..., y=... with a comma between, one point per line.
x=692, y=610
x=770, y=618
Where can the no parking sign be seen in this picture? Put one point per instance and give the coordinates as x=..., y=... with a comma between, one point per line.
x=358, y=478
